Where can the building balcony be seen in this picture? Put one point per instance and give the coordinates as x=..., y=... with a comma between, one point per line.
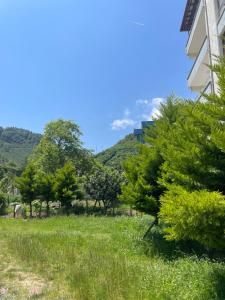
x=199, y=76
x=197, y=33
x=221, y=21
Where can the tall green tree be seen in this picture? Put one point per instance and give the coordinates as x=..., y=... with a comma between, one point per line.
x=143, y=171
x=27, y=185
x=61, y=143
x=194, y=171
x=195, y=156
x=45, y=188
x=66, y=186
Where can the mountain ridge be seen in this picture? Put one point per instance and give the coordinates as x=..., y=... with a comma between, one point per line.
x=115, y=156
x=16, y=144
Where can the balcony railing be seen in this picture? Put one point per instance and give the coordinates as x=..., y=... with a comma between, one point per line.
x=207, y=90
x=193, y=23
x=204, y=45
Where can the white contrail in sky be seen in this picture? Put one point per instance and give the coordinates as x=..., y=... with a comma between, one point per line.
x=137, y=23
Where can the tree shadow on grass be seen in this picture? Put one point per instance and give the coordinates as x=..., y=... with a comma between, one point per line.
x=220, y=283
x=156, y=245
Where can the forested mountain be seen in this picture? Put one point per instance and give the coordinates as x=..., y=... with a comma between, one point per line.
x=16, y=144
x=115, y=155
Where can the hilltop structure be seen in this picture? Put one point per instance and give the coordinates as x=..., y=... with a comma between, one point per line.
x=139, y=133
x=204, y=20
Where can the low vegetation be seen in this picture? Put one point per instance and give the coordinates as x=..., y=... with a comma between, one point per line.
x=102, y=258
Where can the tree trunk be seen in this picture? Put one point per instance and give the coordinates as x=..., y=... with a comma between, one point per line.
x=31, y=214
x=105, y=206
x=154, y=223
x=131, y=213
x=40, y=210
x=14, y=211
x=47, y=208
x=68, y=210
x=86, y=206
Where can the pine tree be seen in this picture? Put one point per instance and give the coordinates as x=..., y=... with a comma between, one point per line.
x=195, y=156
x=143, y=171
x=27, y=185
x=66, y=186
x=194, y=171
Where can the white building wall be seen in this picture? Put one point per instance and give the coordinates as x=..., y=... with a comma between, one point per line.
x=213, y=14
x=213, y=36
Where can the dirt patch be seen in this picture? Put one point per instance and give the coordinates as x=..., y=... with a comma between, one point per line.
x=28, y=282
x=16, y=283
x=3, y=292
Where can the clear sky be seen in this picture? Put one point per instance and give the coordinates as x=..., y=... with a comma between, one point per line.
x=106, y=64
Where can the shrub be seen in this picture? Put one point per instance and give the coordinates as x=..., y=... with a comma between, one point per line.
x=3, y=204
x=198, y=215
x=104, y=184
x=13, y=198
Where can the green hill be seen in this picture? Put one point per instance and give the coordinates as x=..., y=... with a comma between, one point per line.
x=17, y=144
x=115, y=155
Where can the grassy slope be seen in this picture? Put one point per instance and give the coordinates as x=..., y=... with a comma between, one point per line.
x=100, y=258
x=114, y=156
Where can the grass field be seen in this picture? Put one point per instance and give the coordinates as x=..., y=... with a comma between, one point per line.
x=100, y=258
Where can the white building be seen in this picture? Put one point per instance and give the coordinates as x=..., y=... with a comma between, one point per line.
x=204, y=20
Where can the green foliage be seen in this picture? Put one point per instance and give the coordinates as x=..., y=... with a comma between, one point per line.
x=37, y=206
x=3, y=204
x=143, y=171
x=8, y=180
x=60, y=143
x=142, y=191
x=27, y=185
x=104, y=184
x=197, y=215
x=117, y=154
x=54, y=167
x=195, y=156
x=66, y=185
x=18, y=135
x=45, y=187
x=195, y=160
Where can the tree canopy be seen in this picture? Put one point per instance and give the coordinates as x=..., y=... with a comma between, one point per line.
x=61, y=143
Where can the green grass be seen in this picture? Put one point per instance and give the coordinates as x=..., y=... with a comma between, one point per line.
x=101, y=258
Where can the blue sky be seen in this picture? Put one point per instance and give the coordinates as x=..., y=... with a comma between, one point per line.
x=106, y=64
